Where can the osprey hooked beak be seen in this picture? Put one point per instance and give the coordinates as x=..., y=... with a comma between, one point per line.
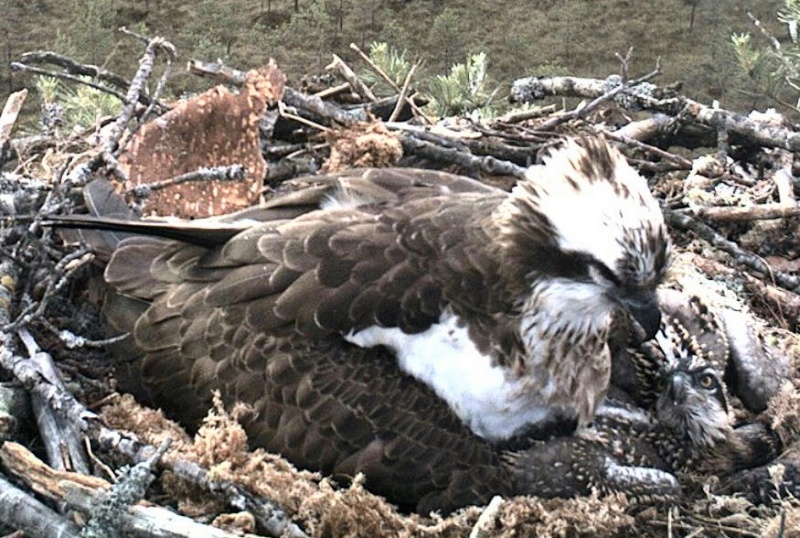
x=643, y=308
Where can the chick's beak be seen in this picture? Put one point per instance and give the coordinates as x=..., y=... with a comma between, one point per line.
x=644, y=309
x=677, y=389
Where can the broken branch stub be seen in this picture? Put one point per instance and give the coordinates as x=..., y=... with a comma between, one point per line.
x=216, y=128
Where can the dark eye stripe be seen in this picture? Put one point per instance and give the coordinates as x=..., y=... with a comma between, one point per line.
x=607, y=273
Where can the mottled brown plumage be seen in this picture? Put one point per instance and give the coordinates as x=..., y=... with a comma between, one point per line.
x=686, y=375
x=310, y=316
x=512, y=292
x=332, y=406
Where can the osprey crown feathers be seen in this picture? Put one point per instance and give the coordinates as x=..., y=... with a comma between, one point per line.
x=501, y=303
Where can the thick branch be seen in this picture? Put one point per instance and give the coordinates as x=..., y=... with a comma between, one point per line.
x=349, y=75
x=684, y=221
x=22, y=512
x=44, y=57
x=741, y=129
x=136, y=88
x=8, y=118
x=88, y=494
x=413, y=144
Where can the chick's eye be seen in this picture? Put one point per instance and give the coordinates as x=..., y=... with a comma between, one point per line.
x=707, y=381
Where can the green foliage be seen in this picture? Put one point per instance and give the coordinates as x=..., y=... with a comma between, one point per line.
x=91, y=34
x=213, y=30
x=774, y=69
x=446, y=39
x=465, y=90
x=310, y=29
x=577, y=37
x=393, y=62
x=790, y=15
x=81, y=106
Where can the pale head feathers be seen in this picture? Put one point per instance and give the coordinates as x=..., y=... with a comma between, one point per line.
x=586, y=200
x=692, y=401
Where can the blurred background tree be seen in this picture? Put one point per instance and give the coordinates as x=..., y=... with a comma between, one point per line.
x=773, y=64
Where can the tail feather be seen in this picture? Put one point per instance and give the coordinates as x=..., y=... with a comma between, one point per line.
x=200, y=233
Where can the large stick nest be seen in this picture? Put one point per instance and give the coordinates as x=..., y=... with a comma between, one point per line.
x=727, y=186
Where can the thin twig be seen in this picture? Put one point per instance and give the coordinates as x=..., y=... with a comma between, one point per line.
x=136, y=35
x=403, y=93
x=74, y=341
x=593, y=105
x=684, y=221
x=113, y=148
x=685, y=164
x=233, y=172
x=624, y=62
x=16, y=66
x=391, y=83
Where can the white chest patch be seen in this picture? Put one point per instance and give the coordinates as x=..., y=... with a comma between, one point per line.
x=485, y=397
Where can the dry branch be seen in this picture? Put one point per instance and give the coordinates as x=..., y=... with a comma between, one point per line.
x=349, y=75
x=741, y=129
x=63, y=440
x=748, y=213
x=88, y=494
x=234, y=172
x=19, y=66
x=146, y=63
x=419, y=113
x=8, y=118
x=403, y=94
x=45, y=57
x=484, y=526
x=683, y=221
x=23, y=512
x=505, y=148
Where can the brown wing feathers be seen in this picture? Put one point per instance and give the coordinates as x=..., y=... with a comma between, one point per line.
x=223, y=316
x=375, y=418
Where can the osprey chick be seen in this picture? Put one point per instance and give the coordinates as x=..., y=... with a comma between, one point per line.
x=501, y=303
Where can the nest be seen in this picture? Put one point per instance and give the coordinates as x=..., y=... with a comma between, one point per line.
x=732, y=213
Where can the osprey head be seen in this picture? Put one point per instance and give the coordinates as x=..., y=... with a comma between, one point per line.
x=692, y=401
x=587, y=216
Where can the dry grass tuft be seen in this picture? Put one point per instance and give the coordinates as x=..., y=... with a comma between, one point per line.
x=363, y=145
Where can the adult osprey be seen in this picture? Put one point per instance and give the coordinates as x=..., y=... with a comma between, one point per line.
x=502, y=303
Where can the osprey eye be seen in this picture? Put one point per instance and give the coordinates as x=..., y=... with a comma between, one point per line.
x=708, y=381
